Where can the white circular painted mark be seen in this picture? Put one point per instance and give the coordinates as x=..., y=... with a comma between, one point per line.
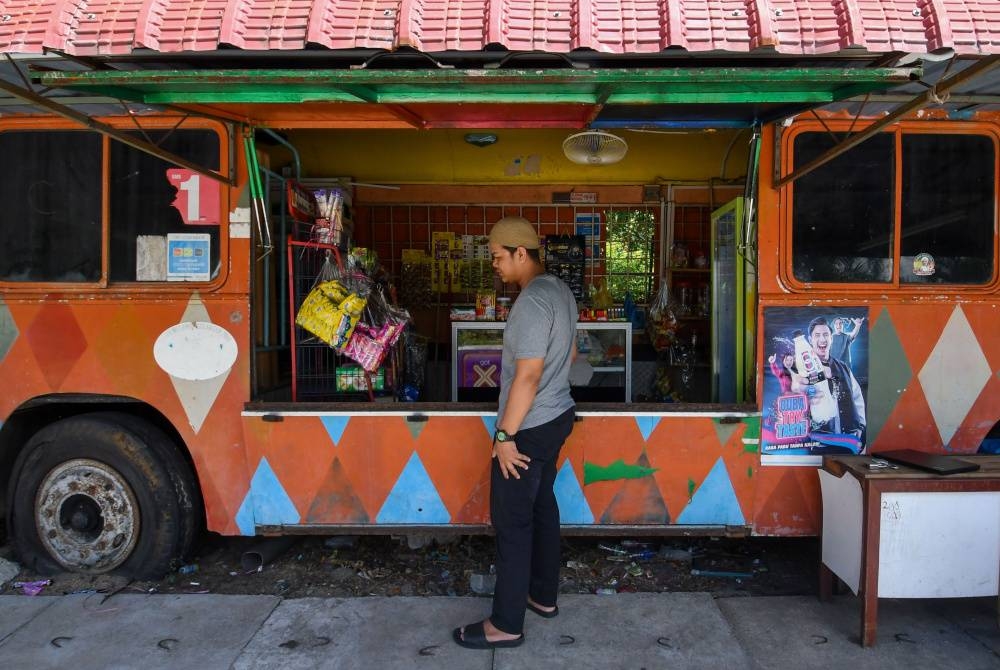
x=195, y=351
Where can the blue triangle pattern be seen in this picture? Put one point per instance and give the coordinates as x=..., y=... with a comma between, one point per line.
x=714, y=503
x=335, y=426
x=647, y=424
x=269, y=504
x=573, y=506
x=244, y=515
x=491, y=424
x=413, y=499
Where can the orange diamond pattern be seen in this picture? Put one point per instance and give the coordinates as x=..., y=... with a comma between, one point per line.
x=56, y=340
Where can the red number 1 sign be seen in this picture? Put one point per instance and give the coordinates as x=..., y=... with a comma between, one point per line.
x=197, y=197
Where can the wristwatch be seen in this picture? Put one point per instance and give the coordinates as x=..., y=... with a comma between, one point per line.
x=502, y=436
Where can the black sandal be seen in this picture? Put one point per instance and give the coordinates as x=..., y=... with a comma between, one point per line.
x=545, y=614
x=475, y=638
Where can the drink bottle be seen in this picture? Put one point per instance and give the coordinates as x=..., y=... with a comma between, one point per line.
x=822, y=406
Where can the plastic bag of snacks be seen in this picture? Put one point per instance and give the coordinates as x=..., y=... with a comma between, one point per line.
x=661, y=323
x=369, y=344
x=331, y=313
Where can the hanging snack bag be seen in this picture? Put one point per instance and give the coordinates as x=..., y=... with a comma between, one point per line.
x=350, y=310
x=661, y=323
x=330, y=313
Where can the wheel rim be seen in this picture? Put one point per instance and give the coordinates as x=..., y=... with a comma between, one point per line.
x=87, y=516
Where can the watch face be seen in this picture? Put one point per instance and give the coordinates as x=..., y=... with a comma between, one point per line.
x=501, y=436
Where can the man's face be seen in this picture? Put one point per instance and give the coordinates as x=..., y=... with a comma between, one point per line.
x=819, y=338
x=503, y=263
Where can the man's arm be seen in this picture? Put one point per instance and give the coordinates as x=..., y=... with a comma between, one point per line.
x=859, y=400
x=854, y=332
x=527, y=375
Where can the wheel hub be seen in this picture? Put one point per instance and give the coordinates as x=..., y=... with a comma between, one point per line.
x=87, y=516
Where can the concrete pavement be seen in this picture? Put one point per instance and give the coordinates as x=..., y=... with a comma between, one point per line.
x=643, y=630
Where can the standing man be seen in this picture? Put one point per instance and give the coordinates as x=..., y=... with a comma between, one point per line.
x=534, y=419
x=841, y=340
x=847, y=428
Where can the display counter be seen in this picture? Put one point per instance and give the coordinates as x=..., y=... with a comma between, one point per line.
x=605, y=347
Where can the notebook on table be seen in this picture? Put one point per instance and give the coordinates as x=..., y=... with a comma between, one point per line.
x=939, y=464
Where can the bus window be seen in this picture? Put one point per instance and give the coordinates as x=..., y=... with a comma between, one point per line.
x=948, y=209
x=151, y=199
x=50, y=222
x=842, y=212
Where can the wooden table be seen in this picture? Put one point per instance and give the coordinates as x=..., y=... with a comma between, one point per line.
x=907, y=533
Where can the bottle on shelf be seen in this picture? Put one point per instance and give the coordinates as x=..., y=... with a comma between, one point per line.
x=685, y=298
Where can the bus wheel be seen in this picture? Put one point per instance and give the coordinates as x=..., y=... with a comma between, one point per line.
x=91, y=495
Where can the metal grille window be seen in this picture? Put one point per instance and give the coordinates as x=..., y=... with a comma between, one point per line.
x=390, y=228
x=629, y=253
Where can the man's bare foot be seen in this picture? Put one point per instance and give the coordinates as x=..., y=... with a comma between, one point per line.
x=493, y=634
x=541, y=607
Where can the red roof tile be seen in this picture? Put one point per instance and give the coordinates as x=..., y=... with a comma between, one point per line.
x=116, y=27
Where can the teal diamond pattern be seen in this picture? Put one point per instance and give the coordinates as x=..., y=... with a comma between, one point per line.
x=8, y=330
x=889, y=373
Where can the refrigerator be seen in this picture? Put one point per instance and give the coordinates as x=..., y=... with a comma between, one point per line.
x=734, y=289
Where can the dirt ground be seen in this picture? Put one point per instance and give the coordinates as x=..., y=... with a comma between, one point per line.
x=347, y=566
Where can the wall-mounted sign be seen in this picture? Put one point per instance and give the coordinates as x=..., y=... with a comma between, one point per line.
x=188, y=257
x=815, y=383
x=589, y=225
x=197, y=197
x=301, y=202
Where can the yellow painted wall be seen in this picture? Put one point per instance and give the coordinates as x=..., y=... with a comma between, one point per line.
x=518, y=157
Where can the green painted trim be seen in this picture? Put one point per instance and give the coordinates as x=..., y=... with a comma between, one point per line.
x=617, y=470
x=603, y=86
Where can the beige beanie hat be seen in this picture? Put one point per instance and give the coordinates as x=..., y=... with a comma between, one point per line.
x=514, y=231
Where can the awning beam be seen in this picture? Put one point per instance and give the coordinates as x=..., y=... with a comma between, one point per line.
x=609, y=86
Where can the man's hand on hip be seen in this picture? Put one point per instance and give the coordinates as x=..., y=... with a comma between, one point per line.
x=510, y=459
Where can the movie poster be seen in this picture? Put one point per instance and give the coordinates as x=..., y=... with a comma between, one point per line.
x=815, y=368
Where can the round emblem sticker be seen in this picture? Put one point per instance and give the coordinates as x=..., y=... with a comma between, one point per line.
x=923, y=265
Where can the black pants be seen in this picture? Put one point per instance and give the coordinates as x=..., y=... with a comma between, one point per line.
x=526, y=519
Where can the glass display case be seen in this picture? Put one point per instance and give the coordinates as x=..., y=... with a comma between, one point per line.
x=605, y=346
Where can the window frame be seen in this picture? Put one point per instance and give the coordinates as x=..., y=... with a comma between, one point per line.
x=150, y=123
x=786, y=223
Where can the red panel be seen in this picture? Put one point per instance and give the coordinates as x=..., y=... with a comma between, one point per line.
x=27, y=26
x=91, y=27
x=266, y=24
x=350, y=24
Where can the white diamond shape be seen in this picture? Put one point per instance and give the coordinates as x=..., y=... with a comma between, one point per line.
x=954, y=375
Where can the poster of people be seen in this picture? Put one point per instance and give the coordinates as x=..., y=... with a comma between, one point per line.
x=815, y=383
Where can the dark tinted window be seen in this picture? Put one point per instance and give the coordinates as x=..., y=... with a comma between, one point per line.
x=145, y=203
x=842, y=213
x=50, y=218
x=948, y=209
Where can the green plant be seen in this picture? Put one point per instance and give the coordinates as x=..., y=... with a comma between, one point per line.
x=629, y=253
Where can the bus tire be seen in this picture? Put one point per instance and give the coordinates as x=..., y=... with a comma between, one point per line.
x=91, y=495
x=186, y=491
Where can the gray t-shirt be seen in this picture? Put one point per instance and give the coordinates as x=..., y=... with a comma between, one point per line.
x=542, y=324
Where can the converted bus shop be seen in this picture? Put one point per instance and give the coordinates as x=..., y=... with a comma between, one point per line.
x=163, y=241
